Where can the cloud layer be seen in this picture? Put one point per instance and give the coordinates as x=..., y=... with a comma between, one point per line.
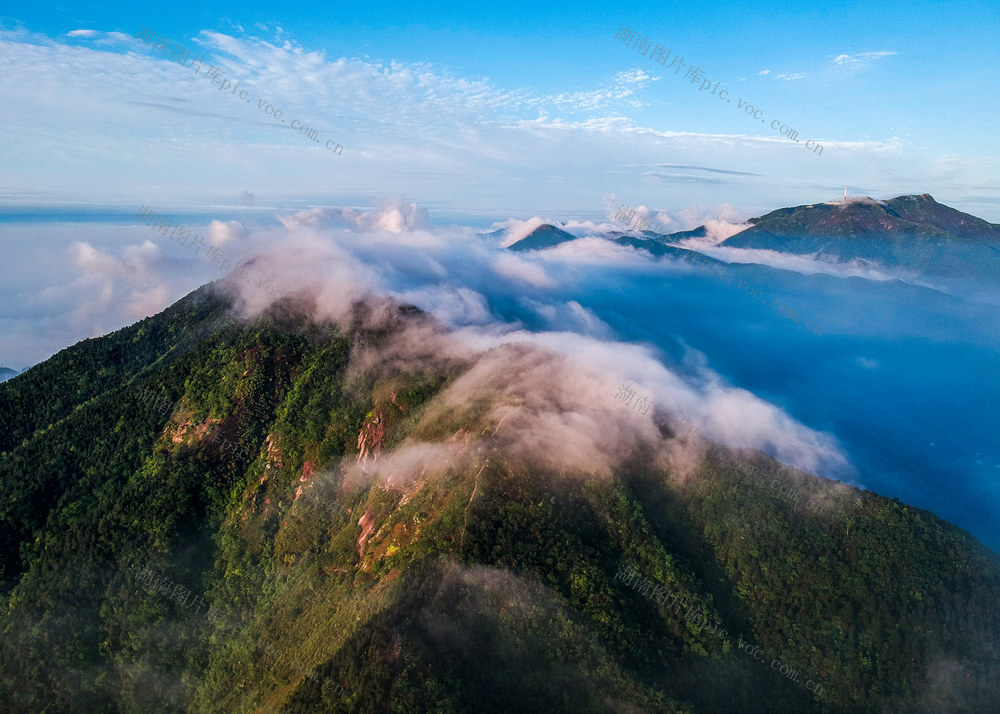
x=103, y=102
x=549, y=394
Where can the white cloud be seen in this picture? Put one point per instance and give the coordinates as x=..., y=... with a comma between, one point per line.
x=804, y=264
x=860, y=60
x=454, y=306
x=114, y=107
x=552, y=393
x=331, y=263
x=515, y=230
x=129, y=285
x=81, y=33
x=514, y=267
x=459, y=140
x=220, y=233
x=394, y=216
x=788, y=76
x=624, y=87
x=312, y=217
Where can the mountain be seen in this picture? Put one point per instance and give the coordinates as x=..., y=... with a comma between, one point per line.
x=914, y=236
x=919, y=217
x=545, y=236
x=201, y=513
x=911, y=232
x=660, y=244
x=6, y=373
x=548, y=236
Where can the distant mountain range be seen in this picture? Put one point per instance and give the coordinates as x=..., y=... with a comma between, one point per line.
x=918, y=217
x=6, y=373
x=914, y=235
x=912, y=232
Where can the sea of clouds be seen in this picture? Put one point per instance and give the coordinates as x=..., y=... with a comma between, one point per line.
x=895, y=394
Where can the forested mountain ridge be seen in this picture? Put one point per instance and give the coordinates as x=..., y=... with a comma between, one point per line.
x=913, y=233
x=201, y=514
x=919, y=218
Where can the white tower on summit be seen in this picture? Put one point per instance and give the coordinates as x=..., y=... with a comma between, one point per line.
x=845, y=194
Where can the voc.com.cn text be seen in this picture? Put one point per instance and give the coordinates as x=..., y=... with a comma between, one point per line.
x=215, y=74
x=661, y=54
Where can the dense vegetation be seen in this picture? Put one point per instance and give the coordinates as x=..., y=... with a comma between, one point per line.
x=177, y=533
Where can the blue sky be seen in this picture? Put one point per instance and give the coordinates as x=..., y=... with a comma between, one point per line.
x=509, y=110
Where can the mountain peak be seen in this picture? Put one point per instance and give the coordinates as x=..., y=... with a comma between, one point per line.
x=545, y=236
x=913, y=232
x=913, y=216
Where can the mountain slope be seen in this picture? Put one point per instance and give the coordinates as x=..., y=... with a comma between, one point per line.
x=919, y=217
x=911, y=232
x=289, y=516
x=545, y=236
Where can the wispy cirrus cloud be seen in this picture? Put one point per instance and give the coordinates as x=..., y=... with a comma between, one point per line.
x=115, y=106
x=679, y=177
x=98, y=36
x=624, y=87
x=787, y=76
x=705, y=168
x=860, y=60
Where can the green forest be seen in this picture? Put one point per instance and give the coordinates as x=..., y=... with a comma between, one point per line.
x=179, y=532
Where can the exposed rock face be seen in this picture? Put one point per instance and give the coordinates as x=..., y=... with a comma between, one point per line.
x=371, y=436
x=367, y=523
x=307, y=471
x=273, y=459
